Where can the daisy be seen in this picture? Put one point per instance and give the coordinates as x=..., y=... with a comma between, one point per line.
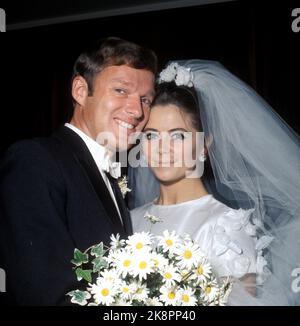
x=126, y=290
x=153, y=302
x=116, y=242
x=139, y=242
x=169, y=295
x=168, y=241
x=210, y=291
x=170, y=275
x=110, y=275
x=142, y=266
x=141, y=292
x=188, y=255
x=103, y=292
x=202, y=271
x=122, y=303
x=123, y=261
x=159, y=260
x=187, y=297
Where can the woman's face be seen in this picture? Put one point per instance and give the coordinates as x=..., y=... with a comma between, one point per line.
x=170, y=144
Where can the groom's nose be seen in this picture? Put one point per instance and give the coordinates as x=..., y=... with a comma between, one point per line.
x=134, y=107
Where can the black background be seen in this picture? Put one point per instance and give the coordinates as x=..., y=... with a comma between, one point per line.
x=252, y=39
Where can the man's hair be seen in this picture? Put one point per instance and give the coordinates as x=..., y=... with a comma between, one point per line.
x=112, y=51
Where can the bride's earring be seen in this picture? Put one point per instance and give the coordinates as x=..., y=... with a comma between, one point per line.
x=202, y=156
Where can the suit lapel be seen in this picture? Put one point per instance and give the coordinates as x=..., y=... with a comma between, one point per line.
x=87, y=163
x=122, y=205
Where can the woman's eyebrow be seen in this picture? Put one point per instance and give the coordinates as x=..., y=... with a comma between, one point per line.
x=178, y=129
x=170, y=130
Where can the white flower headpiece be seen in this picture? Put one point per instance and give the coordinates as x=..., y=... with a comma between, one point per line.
x=181, y=75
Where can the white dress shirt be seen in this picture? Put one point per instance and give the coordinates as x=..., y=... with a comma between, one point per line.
x=101, y=158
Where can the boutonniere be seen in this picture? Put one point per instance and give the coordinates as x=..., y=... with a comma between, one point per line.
x=123, y=185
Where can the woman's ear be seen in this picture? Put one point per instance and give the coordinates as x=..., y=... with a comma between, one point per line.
x=207, y=142
x=80, y=90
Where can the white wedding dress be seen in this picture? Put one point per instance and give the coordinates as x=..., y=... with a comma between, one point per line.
x=224, y=234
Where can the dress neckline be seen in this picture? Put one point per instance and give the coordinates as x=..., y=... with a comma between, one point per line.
x=188, y=202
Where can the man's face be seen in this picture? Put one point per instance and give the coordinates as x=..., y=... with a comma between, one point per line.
x=119, y=106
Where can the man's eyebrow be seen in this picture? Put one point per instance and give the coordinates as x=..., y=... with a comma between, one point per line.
x=121, y=81
x=127, y=83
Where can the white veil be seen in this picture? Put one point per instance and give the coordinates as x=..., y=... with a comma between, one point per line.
x=255, y=158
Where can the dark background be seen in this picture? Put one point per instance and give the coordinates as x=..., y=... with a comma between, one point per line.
x=252, y=39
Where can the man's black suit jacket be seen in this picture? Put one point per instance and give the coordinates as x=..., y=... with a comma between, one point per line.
x=52, y=200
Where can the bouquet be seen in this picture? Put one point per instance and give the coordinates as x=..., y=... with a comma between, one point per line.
x=147, y=270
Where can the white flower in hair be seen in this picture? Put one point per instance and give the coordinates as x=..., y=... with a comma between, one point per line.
x=169, y=73
x=180, y=74
x=184, y=77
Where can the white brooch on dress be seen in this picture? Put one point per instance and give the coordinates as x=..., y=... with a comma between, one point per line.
x=152, y=218
x=181, y=75
x=123, y=185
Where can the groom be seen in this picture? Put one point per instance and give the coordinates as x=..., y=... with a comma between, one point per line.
x=59, y=193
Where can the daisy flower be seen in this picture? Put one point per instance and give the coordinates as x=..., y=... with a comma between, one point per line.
x=141, y=292
x=169, y=295
x=124, y=262
x=122, y=303
x=170, y=275
x=126, y=290
x=187, y=297
x=116, y=242
x=159, y=260
x=168, y=241
x=142, y=266
x=153, y=302
x=202, y=271
x=210, y=291
x=139, y=242
x=103, y=292
x=188, y=255
x=110, y=275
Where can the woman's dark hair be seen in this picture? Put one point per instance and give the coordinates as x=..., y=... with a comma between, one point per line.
x=112, y=51
x=185, y=98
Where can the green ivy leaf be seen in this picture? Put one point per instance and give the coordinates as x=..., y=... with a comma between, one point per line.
x=85, y=274
x=79, y=258
x=98, y=264
x=79, y=297
x=98, y=250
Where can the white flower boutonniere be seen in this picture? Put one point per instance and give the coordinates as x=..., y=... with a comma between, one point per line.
x=123, y=185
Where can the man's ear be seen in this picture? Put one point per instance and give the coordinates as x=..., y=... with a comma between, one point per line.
x=80, y=90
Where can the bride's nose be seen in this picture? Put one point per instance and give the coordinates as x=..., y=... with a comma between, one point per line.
x=164, y=143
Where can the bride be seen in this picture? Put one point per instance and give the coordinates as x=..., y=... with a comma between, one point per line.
x=244, y=210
